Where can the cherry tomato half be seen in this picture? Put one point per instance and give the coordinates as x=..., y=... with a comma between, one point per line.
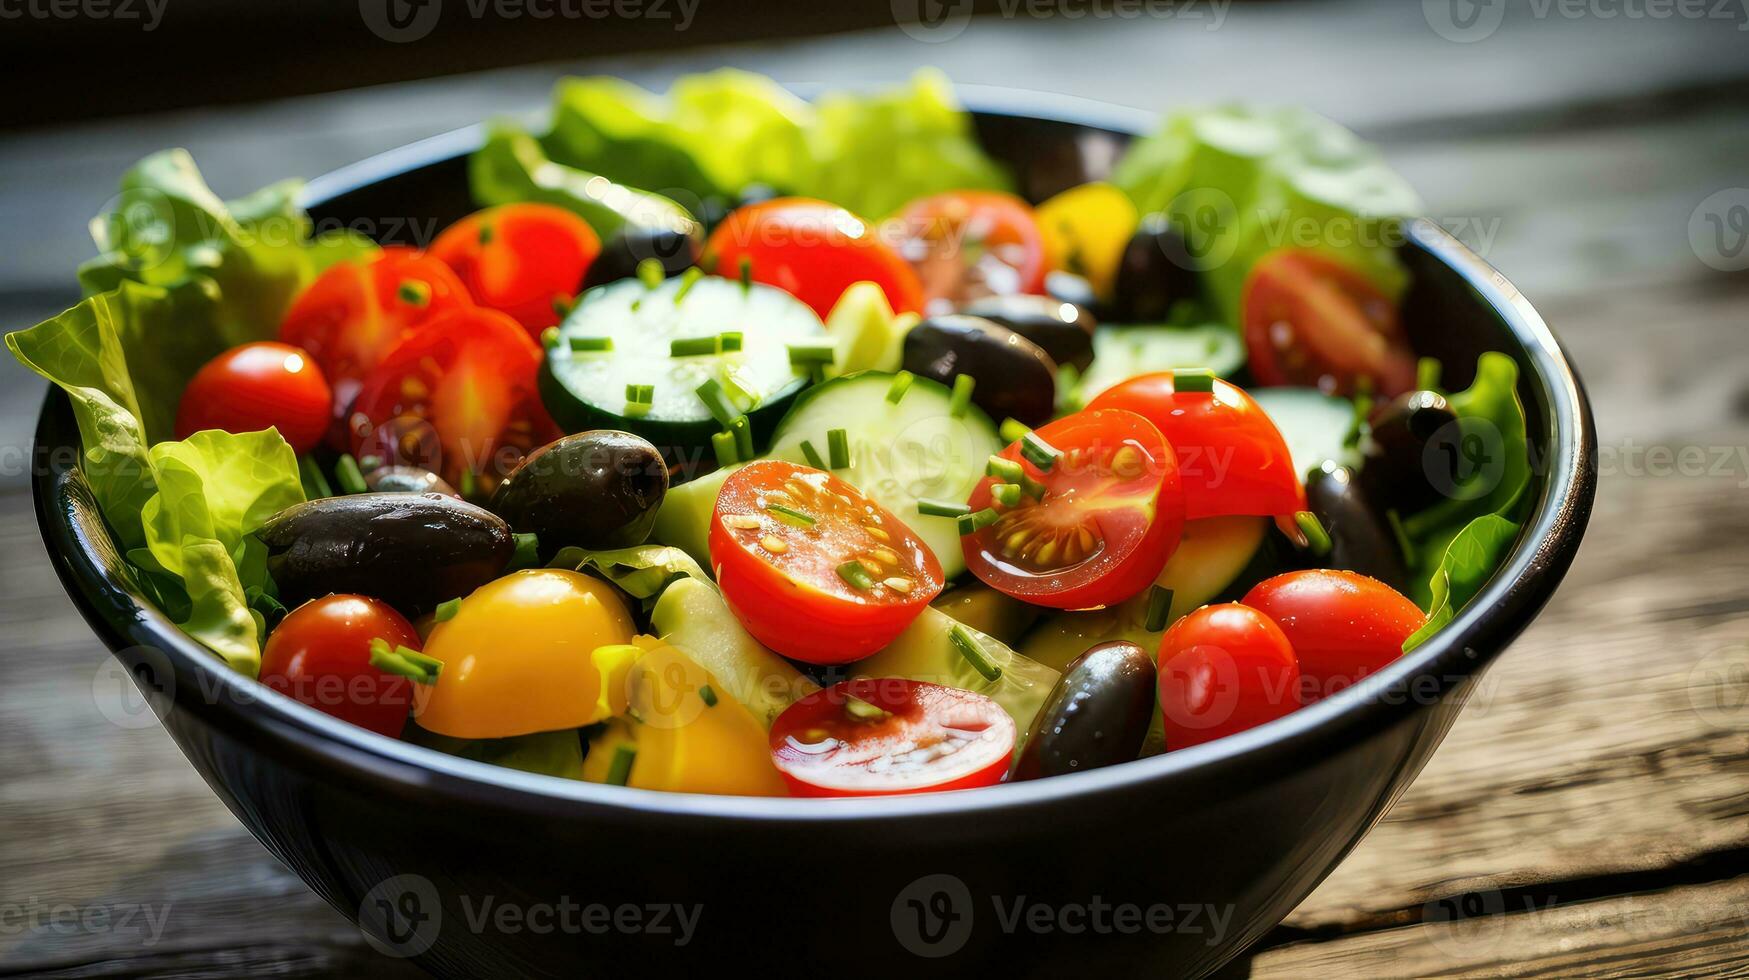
x=257, y=386
x=356, y=311
x=1343, y=625
x=320, y=655
x=813, y=568
x=1231, y=457
x=1224, y=669
x=1095, y=528
x=881, y=736
x=456, y=397
x=966, y=245
x=1310, y=320
x=814, y=251
x=526, y=260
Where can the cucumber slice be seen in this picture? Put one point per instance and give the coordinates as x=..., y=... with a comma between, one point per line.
x=900, y=452
x=693, y=617
x=684, y=520
x=1315, y=425
x=1121, y=353
x=586, y=389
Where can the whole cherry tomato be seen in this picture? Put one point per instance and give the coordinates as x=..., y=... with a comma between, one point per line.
x=321, y=655
x=1224, y=669
x=1343, y=625
x=258, y=386
x=357, y=310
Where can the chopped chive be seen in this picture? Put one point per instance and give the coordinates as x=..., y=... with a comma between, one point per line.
x=413, y=292
x=1318, y=539
x=549, y=338
x=973, y=651
x=962, y=395
x=446, y=610
x=586, y=345
x=348, y=475
x=1039, y=452
x=368, y=462
x=942, y=508
x=1004, y=469
x=694, y=346
x=857, y=576
x=641, y=394
x=901, y=384
x=974, y=522
x=813, y=352
x=791, y=516
x=863, y=711
x=1407, y=547
x=813, y=455
x=729, y=341
x=688, y=279
x=527, y=553
x=743, y=432
x=1193, y=380
x=315, y=484
x=1427, y=373
x=746, y=273
x=404, y=662
x=470, y=484
x=651, y=273
x=838, y=448
x=619, y=771
x=563, y=305
x=1159, y=608
x=721, y=409
x=723, y=443
x=1011, y=430
x=1006, y=494
x=708, y=696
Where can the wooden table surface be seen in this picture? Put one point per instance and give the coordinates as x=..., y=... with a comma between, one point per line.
x=1592, y=802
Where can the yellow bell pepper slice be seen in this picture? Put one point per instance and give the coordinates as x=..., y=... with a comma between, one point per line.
x=1085, y=229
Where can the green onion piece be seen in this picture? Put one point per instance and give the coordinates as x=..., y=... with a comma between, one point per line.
x=1006, y=494
x=975, y=522
x=813, y=352
x=368, y=462
x=1407, y=547
x=620, y=769
x=563, y=305
x=857, y=576
x=743, y=431
x=688, y=279
x=404, y=662
x=901, y=384
x=1159, y=609
x=1011, y=430
x=1039, y=452
x=1318, y=539
x=315, y=484
x=838, y=448
x=591, y=345
x=791, y=516
x=863, y=711
x=942, y=508
x=729, y=341
x=1427, y=373
x=962, y=395
x=641, y=394
x=694, y=346
x=446, y=610
x=723, y=443
x=813, y=455
x=746, y=273
x=1004, y=469
x=721, y=408
x=470, y=485
x=527, y=553
x=549, y=338
x=651, y=273
x=973, y=651
x=348, y=475
x=1193, y=380
x=413, y=292
x=708, y=696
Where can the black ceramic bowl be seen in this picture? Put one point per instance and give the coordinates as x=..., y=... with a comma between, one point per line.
x=1172, y=864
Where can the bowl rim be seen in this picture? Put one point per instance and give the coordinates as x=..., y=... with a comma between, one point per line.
x=1434, y=671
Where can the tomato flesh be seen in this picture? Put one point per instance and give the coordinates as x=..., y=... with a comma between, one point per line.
x=1224, y=669
x=525, y=260
x=320, y=655
x=258, y=386
x=1231, y=457
x=813, y=568
x=966, y=245
x=882, y=736
x=1110, y=515
x=814, y=251
x=1343, y=625
x=1310, y=320
x=355, y=312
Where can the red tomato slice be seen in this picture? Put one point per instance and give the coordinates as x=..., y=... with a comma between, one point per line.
x=812, y=250
x=1310, y=320
x=881, y=736
x=1343, y=625
x=353, y=313
x=527, y=260
x=1224, y=669
x=457, y=397
x=1110, y=515
x=814, y=569
x=320, y=655
x=966, y=245
x=1231, y=457
x=258, y=386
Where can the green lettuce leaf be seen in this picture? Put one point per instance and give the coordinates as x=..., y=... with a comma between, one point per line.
x=1465, y=565
x=512, y=167
x=543, y=753
x=642, y=571
x=611, y=127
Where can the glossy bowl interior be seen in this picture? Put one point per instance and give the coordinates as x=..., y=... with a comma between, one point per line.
x=1244, y=826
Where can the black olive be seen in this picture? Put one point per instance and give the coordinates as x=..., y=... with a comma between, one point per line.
x=1070, y=288
x=598, y=489
x=407, y=479
x=1097, y=715
x=1062, y=330
x=1015, y=378
x=1360, y=537
x=412, y=551
x=1396, y=472
x=1155, y=272
x=632, y=244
